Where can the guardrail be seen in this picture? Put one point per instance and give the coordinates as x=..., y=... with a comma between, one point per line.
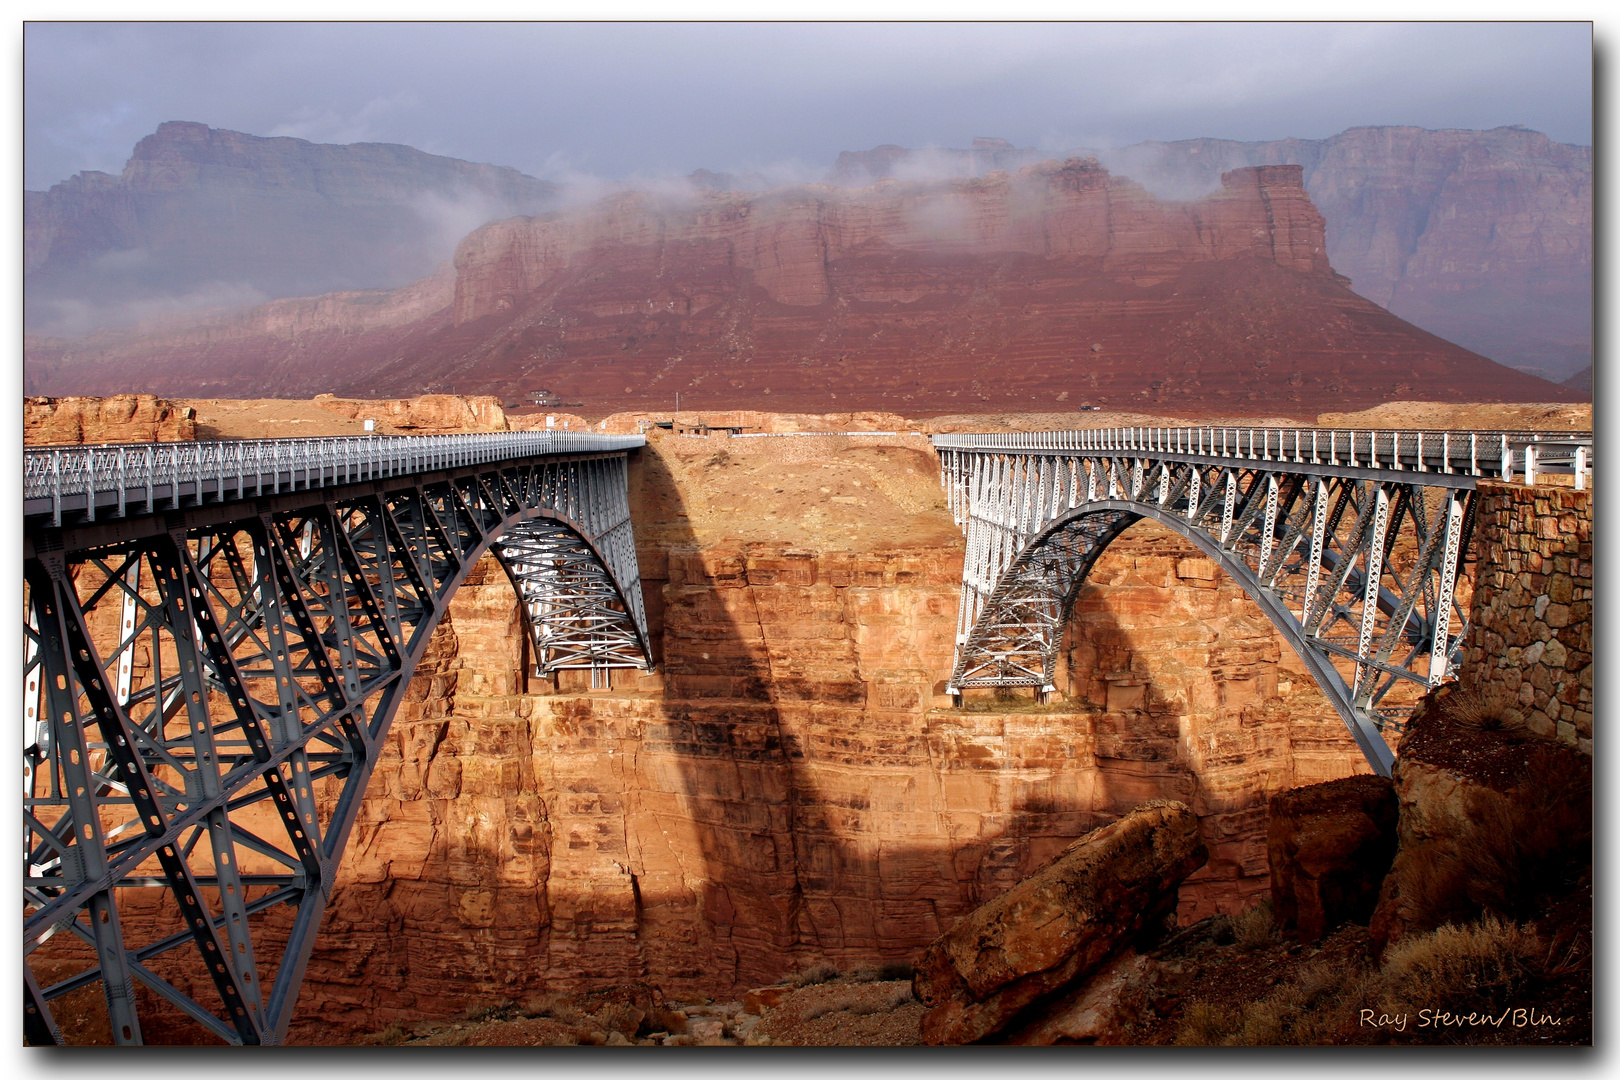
x=1468, y=453
x=119, y=478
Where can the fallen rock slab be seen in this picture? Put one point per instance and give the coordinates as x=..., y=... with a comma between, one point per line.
x=1089, y=1014
x=1058, y=925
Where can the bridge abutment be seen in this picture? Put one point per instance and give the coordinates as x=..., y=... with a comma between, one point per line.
x=1530, y=636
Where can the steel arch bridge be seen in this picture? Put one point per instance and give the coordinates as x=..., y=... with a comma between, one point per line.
x=212, y=629
x=1351, y=542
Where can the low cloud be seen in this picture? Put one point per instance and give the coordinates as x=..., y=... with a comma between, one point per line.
x=75, y=317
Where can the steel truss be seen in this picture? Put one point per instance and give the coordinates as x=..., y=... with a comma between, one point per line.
x=1356, y=564
x=208, y=691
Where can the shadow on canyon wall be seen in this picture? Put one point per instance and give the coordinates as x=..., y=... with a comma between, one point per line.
x=788, y=790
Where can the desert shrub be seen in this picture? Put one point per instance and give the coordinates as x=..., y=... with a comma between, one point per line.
x=621, y=1017
x=1207, y=1024
x=558, y=1007
x=1485, y=965
x=896, y=996
x=894, y=971
x=861, y=1002
x=1313, y=1008
x=1489, y=709
x=500, y=1010
x=392, y=1035
x=813, y=976
x=1255, y=927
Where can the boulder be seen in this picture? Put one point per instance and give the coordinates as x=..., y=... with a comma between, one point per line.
x=1058, y=925
x=1089, y=1014
x=1329, y=846
x=757, y=1000
x=1491, y=820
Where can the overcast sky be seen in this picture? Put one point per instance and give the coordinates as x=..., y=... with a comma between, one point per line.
x=621, y=101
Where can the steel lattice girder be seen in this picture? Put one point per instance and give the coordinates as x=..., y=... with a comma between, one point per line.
x=1358, y=571
x=260, y=653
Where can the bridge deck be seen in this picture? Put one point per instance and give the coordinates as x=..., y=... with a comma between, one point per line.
x=87, y=482
x=1464, y=455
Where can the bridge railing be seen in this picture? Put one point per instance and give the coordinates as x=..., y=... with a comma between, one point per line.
x=116, y=477
x=1471, y=453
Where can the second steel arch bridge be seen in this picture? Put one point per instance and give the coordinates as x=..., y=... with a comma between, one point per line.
x=1351, y=542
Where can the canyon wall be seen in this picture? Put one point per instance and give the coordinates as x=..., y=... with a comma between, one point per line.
x=791, y=786
x=785, y=241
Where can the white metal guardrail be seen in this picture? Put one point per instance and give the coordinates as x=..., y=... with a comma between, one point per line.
x=1468, y=453
x=140, y=477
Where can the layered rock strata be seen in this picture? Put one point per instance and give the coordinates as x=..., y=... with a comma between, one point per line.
x=1056, y=286
x=1482, y=237
x=130, y=418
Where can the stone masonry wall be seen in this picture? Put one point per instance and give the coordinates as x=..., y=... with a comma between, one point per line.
x=1530, y=631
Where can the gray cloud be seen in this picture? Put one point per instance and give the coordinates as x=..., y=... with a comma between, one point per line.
x=622, y=101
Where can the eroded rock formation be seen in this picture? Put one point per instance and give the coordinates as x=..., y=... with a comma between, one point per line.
x=1493, y=819
x=1481, y=237
x=129, y=418
x=1329, y=846
x=1049, y=288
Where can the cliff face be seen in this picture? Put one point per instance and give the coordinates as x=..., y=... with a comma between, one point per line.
x=202, y=217
x=132, y=418
x=788, y=789
x=804, y=246
x=1057, y=286
x=1481, y=237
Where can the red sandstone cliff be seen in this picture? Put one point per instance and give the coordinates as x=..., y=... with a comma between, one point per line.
x=1059, y=284
x=1481, y=237
x=787, y=790
x=126, y=418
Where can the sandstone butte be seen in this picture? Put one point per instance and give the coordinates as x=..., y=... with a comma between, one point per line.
x=791, y=787
x=1052, y=287
x=1481, y=237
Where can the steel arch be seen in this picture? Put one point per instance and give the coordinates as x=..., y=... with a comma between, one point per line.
x=260, y=650
x=1036, y=567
